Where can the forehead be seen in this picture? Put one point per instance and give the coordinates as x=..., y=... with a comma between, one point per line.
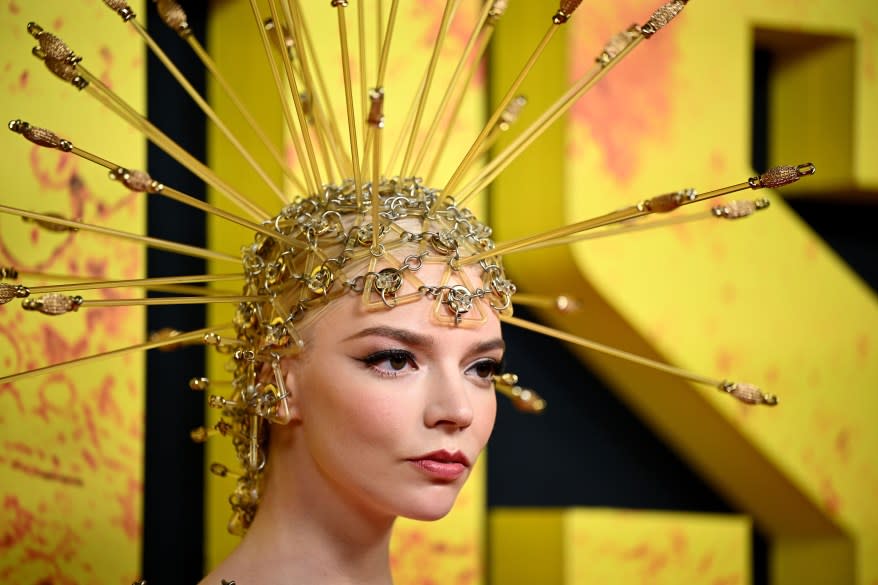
x=418, y=312
x=411, y=325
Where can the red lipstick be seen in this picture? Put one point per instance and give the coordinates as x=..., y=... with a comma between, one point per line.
x=442, y=465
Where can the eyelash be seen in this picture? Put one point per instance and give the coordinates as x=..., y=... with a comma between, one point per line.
x=372, y=361
x=495, y=368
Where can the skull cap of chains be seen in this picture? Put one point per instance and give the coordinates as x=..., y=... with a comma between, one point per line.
x=370, y=234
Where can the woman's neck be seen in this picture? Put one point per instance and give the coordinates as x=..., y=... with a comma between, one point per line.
x=309, y=535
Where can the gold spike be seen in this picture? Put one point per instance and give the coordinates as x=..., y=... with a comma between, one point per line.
x=64, y=63
x=205, y=107
x=379, y=30
x=199, y=384
x=317, y=122
x=341, y=5
x=561, y=303
x=334, y=135
x=452, y=86
x=378, y=91
x=739, y=208
x=747, y=393
x=278, y=84
x=780, y=176
x=160, y=139
x=146, y=240
x=774, y=177
x=169, y=334
x=385, y=48
x=561, y=16
x=408, y=125
x=294, y=52
x=614, y=51
x=153, y=344
x=484, y=41
x=52, y=227
x=297, y=99
x=524, y=399
x=376, y=123
x=9, y=292
x=662, y=16
x=245, y=113
x=736, y=209
x=135, y=180
x=121, y=8
x=509, y=117
x=140, y=181
x=58, y=304
x=138, y=282
x=163, y=284
x=53, y=304
x=447, y=15
x=363, y=72
x=406, y=128
x=173, y=15
x=181, y=289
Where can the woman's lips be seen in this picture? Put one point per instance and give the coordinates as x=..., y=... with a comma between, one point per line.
x=442, y=464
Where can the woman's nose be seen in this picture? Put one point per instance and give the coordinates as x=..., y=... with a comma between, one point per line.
x=448, y=402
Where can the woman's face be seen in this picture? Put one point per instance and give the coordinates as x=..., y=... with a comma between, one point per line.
x=391, y=408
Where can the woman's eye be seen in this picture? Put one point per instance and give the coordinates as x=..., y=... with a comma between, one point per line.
x=486, y=368
x=390, y=361
x=397, y=362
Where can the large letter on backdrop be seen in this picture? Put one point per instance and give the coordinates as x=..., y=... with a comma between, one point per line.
x=761, y=300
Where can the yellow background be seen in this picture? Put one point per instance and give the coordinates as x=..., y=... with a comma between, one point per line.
x=763, y=300
x=71, y=443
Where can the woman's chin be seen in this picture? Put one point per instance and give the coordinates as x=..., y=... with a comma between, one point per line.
x=428, y=515
x=432, y=507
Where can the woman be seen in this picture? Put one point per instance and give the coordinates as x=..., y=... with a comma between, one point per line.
x=385, y=398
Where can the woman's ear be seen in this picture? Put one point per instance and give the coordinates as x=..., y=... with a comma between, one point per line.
x=287, y=408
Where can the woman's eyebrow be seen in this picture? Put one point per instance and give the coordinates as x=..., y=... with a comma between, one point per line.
x=489, y=345
x=405, y=336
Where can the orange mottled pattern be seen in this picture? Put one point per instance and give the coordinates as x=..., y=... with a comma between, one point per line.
x=71, y=440
x=616, y=546
x=446, y=552
x=633, y=103
x=422, y=559
x=597, y=546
